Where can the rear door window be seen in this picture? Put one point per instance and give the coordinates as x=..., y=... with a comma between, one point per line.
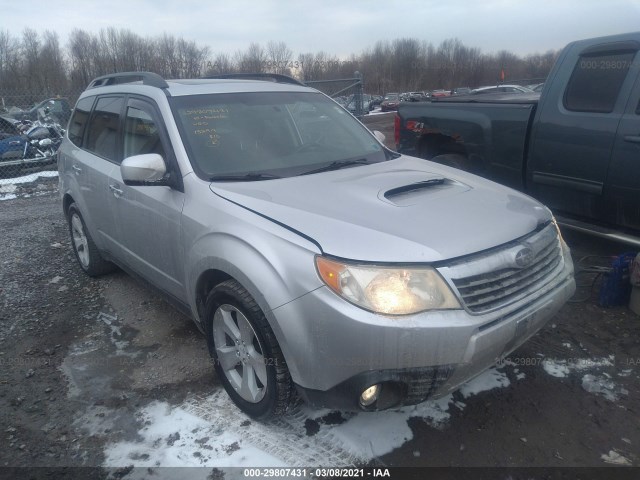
x=79, y=120
x=596, y=82
x=104, y=127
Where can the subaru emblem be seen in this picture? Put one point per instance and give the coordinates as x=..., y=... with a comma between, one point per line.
x=524, y=257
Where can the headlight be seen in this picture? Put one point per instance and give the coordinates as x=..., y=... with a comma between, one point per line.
x=387, y=290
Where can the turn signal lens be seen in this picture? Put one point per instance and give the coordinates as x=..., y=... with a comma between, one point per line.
x=330, y=272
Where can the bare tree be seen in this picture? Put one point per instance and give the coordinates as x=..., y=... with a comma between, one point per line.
x=253, y=60
x=82, y=49
x=9, y=60
x=278, y=58
x=221, y=64
x=36, y=65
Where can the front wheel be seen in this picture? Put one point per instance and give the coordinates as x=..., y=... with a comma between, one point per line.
x=245, y=353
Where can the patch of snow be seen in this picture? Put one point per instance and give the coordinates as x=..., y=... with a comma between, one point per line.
x=615, y=458
x=567, y=345
x=116, y=335
x=555, y=368
x=173, y=437
x=520, y=376
x=434, y=412
x=600, y=385
x=212, y=432
x=487, y=380
x=9, y=196
x=459, y=405
x=30, y=178
x=370, y=435
x=8, y=188
x=379, y=112
x=562, y=368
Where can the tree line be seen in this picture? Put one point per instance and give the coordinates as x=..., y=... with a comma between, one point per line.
x=36, y=64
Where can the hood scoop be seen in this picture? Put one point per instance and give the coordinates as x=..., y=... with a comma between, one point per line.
x=413, y=193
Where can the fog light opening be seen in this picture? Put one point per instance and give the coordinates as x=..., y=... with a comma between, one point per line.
x=369, y=395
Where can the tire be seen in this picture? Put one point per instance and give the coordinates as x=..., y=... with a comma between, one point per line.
x=245, y=353
x=85, y=249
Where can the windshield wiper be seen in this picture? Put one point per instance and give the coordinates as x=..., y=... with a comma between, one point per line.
x=337, y=165
x=244, y=177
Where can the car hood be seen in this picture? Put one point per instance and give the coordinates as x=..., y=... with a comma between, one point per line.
x=403, y=210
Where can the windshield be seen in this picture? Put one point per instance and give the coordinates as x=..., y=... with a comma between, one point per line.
x=276, y=134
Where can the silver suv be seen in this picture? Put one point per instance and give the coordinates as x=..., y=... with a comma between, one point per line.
x=316, y=261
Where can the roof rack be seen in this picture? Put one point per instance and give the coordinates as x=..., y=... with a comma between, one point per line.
x=148, y=78
x=272, y=77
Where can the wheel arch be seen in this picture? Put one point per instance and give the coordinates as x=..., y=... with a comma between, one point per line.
x=262, y=272
x=67, y=200
x=432, y=145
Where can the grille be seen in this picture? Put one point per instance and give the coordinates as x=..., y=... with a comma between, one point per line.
x=495, y=280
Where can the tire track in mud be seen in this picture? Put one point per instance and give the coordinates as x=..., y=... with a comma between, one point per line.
x=284, y=438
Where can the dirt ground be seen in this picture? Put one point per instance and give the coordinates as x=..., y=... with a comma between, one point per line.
x=102, y=372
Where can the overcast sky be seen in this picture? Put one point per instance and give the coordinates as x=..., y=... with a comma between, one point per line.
x=339, y=27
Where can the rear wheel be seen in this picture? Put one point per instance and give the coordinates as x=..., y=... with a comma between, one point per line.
x=85, y=250
x=246, y=355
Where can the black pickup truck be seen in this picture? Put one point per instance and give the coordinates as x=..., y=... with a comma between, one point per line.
x=575, y=146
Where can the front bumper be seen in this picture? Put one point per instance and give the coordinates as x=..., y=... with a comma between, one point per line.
x=334, y=350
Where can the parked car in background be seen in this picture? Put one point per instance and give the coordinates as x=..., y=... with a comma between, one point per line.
x=376, y=100
x=501, y=89
x=461, y=91
x=314, y=259
x=390, y=102
x=416, y=96
x=366, y=104
x=440, y=93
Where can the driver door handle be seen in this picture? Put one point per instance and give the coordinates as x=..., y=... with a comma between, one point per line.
x=117, y=192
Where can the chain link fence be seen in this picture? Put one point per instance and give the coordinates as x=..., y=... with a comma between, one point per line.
x=31, y=129
x=346, y=91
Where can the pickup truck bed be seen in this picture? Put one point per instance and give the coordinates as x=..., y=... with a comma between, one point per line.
x=491, y=134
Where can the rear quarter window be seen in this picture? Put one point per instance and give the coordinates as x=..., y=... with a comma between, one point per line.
x=79, y=120
x=596, y=82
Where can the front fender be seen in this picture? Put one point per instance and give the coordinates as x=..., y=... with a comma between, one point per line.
x=275, y=270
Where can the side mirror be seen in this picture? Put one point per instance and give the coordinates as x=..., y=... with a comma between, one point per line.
x=143, y=170
x=379, y=135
